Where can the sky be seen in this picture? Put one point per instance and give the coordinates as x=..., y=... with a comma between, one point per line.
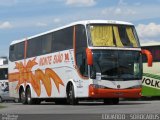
x=23, y=18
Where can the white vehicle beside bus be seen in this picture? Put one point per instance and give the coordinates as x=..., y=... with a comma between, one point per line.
x=151, y=76
x=92, y=59
x=4, y=88
x=3, y=76
x=3, y=72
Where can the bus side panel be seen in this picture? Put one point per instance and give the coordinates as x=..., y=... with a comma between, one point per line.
x=14, y=84
x=151, y=80
x=47, y=76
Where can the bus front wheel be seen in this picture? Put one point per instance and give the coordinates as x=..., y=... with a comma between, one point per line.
x=71, y=96
x=111, y=101
x=115, y=101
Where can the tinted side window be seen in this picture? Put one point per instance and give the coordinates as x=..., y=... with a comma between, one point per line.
x=47, y=44
x=20, y=51
x=34, y=47
x=155, y=50
x=81, y=39
x=11, y=53
x=157, y=53
x=17, y=52
x=63, y=39
x=3, y=74
x=81, y=44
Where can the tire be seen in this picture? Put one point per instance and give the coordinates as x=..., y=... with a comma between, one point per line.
x=22, y=97
x=60, y=102
x=111, y=101
x=71, y=96
x=29, y=99
x=107, y=101
x=115, y=101
x=1, y=100
x=36, y=101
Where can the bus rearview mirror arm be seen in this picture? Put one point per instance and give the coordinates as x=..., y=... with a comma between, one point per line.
x=89, y=56
x=149, y=56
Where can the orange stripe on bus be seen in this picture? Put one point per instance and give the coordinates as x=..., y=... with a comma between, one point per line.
x=25, y=76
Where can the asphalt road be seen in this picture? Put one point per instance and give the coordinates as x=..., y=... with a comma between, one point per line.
x=95, y=110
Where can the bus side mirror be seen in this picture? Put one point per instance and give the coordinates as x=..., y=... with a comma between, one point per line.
x=89, y=56
x=149, y=57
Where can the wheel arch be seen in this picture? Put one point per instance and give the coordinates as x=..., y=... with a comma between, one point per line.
x=71, y=82
x=28, y=86
x=21, y=88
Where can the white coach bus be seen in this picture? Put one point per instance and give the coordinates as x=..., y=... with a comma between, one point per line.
x=151, y=76
x=3, y=72
x=93, y=59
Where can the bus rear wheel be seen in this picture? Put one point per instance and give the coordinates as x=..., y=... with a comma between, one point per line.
x=31, y=100
x=71, y=96
x=23, y=97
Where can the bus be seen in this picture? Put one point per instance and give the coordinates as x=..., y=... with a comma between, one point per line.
x=91, y=59
x=3, y=72
x=151, y=76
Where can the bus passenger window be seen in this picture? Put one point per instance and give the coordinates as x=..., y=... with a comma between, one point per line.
x=47, y=44
x=34, y=47
x=62, y=39
x=11, y=53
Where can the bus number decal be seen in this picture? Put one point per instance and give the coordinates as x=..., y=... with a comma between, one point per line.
x=45, y=61
x=58, y=58
x=55, y=59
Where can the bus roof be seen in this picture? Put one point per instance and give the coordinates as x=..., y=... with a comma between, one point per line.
x=75, y=23
x=151, y=44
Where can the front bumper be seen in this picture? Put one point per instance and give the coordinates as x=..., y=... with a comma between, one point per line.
x=114, y=93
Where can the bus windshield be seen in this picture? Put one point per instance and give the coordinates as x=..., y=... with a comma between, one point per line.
x=3, y=73
x=113, y=35
x=114, y=64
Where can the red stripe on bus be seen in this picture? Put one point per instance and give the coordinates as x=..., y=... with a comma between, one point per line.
x=114, y=93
